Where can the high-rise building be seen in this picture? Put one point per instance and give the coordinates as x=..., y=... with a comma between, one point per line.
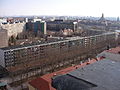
x=36, y=27
x=43, y=27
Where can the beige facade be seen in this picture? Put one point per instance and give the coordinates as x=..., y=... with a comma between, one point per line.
x=3, y=38
x=14, y=29
x=45, y=31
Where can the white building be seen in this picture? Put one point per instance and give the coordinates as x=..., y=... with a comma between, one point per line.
x=36, y=19
x=13, y=29
x=3, y=20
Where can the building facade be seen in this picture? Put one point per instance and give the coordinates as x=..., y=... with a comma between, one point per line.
x=38, y=26
x=15, y=55
x=3, y=38
x=14, y=29
x=60, y=25
x=30, y=59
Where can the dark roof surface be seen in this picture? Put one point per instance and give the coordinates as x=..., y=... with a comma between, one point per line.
x=38, y=82
x=101, y=75
x=105, y=74
x=67, y=82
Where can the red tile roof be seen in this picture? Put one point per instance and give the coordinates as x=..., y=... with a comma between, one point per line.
x=40, y=84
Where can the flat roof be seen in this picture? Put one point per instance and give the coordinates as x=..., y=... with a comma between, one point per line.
x=46, y=43
x=40, y=82
x=105, y=74
x=67, y=82
x=114, y=50
x=33, y=44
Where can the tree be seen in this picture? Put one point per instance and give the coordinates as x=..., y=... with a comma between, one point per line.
x=12, y=40
x=17, y=37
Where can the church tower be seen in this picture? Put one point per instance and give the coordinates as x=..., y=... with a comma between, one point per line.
x=117, y=19
x=102, y=18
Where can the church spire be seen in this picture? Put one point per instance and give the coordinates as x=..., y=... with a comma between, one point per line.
x=118, y=19
x=102, y=15
x=102, y=18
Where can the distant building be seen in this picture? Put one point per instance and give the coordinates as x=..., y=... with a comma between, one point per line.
x=3, y=38
x=13, y=29
x=67, y=32
x=43, y=27
x=102, y=19
x=117, y=31
x=36, y=27
x=118, y=19
x=3, y=20
x=26, y=20
x=58, y=25
x=36, y=19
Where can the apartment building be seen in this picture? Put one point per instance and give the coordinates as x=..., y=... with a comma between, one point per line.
x=32, y=58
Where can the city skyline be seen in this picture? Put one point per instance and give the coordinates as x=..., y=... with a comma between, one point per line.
x=62, y=7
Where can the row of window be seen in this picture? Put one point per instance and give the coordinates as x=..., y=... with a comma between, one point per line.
x=40, y=49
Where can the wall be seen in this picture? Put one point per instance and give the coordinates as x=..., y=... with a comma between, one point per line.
x=2, y=60
x=57, y=26
x=14, y=29
x=3, y=38
x=36, y=26
x=43, y=26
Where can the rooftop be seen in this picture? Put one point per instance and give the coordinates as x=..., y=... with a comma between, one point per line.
x=43, y=82
x=32, y=44
x=114, y=50
x=111, y=54
x=48, y=42
x=103, y=75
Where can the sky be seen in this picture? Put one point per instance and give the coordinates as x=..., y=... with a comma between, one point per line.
x=95, y=8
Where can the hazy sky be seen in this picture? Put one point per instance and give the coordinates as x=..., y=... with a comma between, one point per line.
x=110, y=8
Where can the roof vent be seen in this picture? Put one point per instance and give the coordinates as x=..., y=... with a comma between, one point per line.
x=119, y=52
x=54, y=74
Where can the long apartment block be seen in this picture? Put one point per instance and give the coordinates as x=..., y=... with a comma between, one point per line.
x=15, y=55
